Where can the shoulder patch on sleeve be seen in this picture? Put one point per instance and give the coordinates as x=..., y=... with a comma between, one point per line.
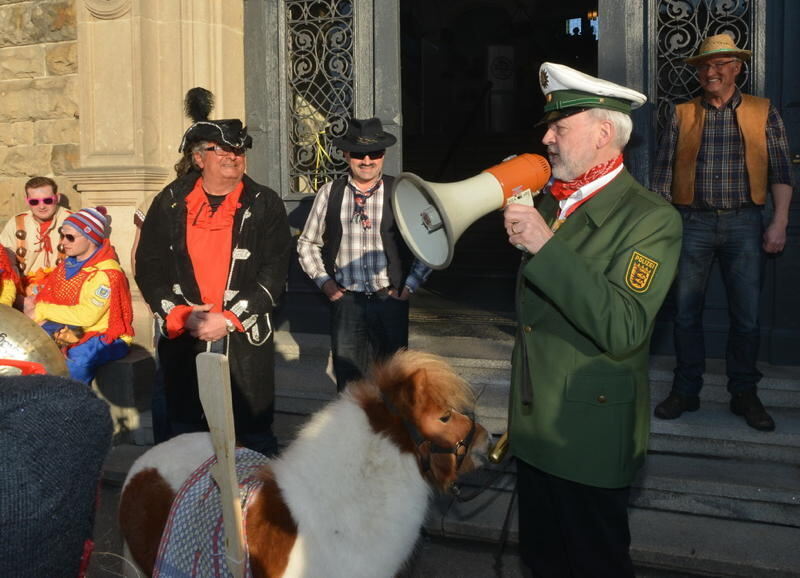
x=640, y=273
x=103, y=291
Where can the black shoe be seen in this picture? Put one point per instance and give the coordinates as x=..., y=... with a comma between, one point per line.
x=749, y=406
x=675, y=405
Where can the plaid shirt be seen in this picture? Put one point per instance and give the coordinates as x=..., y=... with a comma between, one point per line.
x=361, y=264
x=721, y=181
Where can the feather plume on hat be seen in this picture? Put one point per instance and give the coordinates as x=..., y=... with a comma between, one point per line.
x=198, y=104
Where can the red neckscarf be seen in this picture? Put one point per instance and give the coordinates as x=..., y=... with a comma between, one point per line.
x=44, y=236
x=563, y=189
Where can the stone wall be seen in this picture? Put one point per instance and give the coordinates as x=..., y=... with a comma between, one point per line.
x=39, y=114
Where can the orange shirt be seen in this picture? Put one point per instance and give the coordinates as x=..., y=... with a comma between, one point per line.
x=209, y=239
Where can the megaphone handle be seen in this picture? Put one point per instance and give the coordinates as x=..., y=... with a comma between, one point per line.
x=522, y=198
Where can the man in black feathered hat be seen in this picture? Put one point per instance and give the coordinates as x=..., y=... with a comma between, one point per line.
x=352, y=249
x=211, y=262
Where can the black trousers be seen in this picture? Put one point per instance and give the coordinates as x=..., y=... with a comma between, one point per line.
x=567, y=529
x=365, y=329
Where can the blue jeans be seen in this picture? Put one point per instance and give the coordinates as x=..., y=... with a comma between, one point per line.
x=365, y=328
x=733, y=237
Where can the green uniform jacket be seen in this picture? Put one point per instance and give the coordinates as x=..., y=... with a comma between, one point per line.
x=587, y=304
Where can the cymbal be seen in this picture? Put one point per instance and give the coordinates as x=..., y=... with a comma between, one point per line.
x=21, y=339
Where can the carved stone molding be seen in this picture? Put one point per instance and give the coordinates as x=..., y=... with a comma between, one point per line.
x=107, y=9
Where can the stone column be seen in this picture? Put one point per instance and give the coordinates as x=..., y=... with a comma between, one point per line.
x=136, y=60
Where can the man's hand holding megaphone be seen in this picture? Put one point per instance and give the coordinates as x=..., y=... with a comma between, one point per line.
x=526, y=228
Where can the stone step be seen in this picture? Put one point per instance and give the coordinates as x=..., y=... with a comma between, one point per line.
x=730, y=489
x=126, y=384
x=780, y=386
x=717, y=547
x=721, y=488
x=714, y=431
x=681, y=519
x=305, y=383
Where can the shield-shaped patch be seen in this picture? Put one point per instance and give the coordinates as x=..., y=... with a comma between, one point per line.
x=641, y=270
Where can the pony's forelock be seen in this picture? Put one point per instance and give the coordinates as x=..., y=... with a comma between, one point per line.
x=447, y=389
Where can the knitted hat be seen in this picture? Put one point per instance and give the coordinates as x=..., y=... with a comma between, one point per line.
x=719, y=45
x=55, y=435
x=91, y=223
x=568, y=91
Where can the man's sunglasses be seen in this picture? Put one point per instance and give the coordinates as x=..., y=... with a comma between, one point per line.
x=373, y=155
x=46, y=201
x=67, y=236
x=221, y=151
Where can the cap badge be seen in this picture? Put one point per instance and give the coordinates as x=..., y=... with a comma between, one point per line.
x=543, y=78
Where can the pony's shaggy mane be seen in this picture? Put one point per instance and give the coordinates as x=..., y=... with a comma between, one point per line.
x=393, y=375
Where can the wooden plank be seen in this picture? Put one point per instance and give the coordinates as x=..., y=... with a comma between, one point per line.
x=214, y=382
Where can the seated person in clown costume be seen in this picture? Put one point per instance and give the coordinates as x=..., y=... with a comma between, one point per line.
x=85, y=303
x=8, y=278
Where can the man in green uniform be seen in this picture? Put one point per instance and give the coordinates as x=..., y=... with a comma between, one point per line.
x=601, y=253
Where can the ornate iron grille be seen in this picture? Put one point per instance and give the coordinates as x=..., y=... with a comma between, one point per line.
x=681, y=27
x=320, y=91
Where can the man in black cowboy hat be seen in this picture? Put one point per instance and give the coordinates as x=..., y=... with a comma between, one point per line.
x=718, y=158
x=352, y=249
x=212, y=260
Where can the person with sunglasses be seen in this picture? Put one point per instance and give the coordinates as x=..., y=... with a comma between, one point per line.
x=351, y=248
x=85, y=303
x=33, y=234
x=719, y=157
x=211, y=263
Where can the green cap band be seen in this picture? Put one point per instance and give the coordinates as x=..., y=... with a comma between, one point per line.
x=562, y=99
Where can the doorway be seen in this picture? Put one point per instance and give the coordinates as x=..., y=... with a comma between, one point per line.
x=471, y=98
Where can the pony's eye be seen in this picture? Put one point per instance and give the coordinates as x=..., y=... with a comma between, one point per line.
x=446, y=417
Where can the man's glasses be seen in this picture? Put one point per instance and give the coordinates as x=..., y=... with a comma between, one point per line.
x=221, y=151
x=717, y=66
x=67, y=236
x=46, y=201
x=373, y=155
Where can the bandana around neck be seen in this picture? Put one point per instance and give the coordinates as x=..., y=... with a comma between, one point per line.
x=359, y=211
x=563, y=189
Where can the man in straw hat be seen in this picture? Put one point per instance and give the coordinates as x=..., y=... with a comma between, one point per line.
x=352, y=250
x=211, y=263
x=718, y=157
x=601, y=255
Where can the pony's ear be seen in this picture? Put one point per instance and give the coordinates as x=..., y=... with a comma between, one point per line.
x=413, y=388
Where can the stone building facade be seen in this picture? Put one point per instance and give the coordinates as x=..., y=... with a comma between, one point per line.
x=91, y=94
x=39, y=109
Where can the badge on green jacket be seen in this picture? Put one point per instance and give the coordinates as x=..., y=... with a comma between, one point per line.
x=641, y=270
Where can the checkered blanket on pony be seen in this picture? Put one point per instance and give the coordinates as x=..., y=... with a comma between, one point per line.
x=193, y=542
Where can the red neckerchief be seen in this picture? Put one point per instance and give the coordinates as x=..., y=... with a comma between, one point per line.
x=44, y=236
x=563, y=189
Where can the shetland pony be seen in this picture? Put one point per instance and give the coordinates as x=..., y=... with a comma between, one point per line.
x=349, y=495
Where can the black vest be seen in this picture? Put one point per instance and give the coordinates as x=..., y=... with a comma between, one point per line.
x=398, y=256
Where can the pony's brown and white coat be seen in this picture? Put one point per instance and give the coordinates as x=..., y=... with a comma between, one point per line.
x=348, y=496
